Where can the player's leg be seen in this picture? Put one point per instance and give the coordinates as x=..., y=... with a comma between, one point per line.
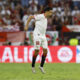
x=37, y=43
x=43, y=60
x=43, y=57
x=45, y=46
x=34, y=57
x=37, y=47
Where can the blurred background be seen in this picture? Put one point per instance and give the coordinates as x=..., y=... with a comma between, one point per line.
x=63, y=27
x=63, y=36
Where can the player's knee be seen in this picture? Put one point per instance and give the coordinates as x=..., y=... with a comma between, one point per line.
x=36, y=52
x=45, y=52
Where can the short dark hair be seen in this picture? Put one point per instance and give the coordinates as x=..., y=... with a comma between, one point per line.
x=47, y=9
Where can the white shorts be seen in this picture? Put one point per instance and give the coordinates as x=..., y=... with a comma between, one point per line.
x=40, y=40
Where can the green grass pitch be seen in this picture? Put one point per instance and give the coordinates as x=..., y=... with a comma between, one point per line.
x=55, y=71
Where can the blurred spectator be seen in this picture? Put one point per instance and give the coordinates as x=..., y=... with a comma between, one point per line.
x=2, y=2
x=7, y=19
x=25, y=3
x=57, y=9
x=76, y=19
x=33, y=1
x=17, y=12
x=14, y=13
x=75, y=11
x=66, y=16
x=56, y=24
x=50, y=25
x=33, y=6
x=42, y=2
x=76, y=3
x=1, y=22
x=6, y=10
x=25, y=18
x=16, y=2
x=49, y=3
x=20, y=10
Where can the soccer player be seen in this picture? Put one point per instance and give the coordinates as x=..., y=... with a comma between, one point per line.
x=39, y=36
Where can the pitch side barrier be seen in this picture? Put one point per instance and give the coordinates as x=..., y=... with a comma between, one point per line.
x=23, y=54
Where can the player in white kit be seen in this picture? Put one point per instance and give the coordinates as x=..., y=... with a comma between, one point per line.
x=39, y=36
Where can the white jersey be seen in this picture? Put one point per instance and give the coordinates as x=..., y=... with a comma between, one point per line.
x=40, y=24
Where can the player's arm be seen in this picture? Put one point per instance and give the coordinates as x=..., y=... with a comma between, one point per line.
x=28, y=21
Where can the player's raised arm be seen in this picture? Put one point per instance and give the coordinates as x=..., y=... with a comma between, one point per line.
x=28, y=21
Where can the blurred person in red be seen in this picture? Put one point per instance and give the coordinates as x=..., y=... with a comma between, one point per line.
x=16, y=16
x=1, y=21
x=77, y=19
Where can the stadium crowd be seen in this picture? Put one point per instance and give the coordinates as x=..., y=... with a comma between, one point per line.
x=12, y=12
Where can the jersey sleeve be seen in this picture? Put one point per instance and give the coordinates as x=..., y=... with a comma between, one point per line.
x=39, y=17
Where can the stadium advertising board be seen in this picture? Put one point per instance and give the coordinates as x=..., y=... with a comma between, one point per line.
x=74, y=28
x=78, y=54
x=65, y=54
x=71, y=28
x=16, y=38
x=23, y=54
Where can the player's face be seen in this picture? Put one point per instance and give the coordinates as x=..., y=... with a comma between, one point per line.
x=49, y=13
